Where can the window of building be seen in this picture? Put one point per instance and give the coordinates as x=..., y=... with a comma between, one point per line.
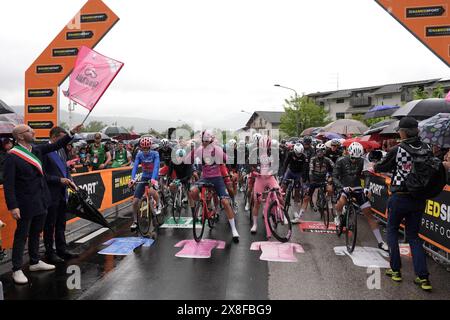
x=340, y=100
x=387, y=96
x=340, y=115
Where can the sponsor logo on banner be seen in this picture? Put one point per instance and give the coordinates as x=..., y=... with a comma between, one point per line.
x=41, y=140
x=93, y=185
x=435, y=11
x=75, y=35
x=34, y=93
x=40, y=108
x=436, y=220
x=379, y=190
x=49, y=69
x=40, y=124
x=440, y=31
x=94, y=17
x=120, y=180
x=65, y=52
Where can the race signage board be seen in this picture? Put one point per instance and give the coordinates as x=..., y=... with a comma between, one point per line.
x=427, y=20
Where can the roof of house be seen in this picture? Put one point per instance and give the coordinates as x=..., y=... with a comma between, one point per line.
x=273, y=117
x=381, y=89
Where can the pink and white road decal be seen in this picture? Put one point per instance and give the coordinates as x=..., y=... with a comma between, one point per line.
x=317, y=227
x=277, y=251
x=198, y=250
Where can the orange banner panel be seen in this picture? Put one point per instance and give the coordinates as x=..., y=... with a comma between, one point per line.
x=428, y=21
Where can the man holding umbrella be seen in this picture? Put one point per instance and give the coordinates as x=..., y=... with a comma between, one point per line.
x=57, y=174
x=27, y=195
x=403, y=205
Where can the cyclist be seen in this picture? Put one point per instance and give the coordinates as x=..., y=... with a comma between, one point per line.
x=183, y=172
x=263, y=178
x=253, y=163
x=320, y=172
x=232, y=166
x=295, y=167
x=208, y=153
x=165, y=151
x=347, y=175
x=283, y=151
x=335, y=152
x=149, y=160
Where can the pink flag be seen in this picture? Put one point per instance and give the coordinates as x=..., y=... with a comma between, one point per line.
x=91, y=76
x=447, y=98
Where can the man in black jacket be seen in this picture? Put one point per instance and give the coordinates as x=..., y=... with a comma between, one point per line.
x=402, y=205
x=27, y=196
x=57, y=175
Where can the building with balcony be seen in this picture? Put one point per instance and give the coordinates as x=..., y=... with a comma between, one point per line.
x=342, y=104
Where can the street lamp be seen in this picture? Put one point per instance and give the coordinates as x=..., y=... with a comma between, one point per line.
x=296, y=101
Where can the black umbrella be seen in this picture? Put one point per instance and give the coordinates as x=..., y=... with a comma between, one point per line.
x=390, y=129
x=423, y=109
x=81, y=205
x=377, y=127
x=380, y=111
x=112, y=131
x=4, y=108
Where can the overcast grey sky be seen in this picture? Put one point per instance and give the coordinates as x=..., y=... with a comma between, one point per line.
x=209, y=59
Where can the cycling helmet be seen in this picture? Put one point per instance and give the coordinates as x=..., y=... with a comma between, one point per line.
x=164, y=143
x=283, y=141
x=298, y=149
x=207, y=136
x=145, y=142
x=320, y=147
x=232, y=142
x=181, y=153
x=335, y=142
x=355, y=150
x=256, y=137
x=307, y=140
x=275, y=143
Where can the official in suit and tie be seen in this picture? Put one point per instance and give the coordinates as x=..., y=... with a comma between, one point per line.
x=27, y=196
x=57, y=174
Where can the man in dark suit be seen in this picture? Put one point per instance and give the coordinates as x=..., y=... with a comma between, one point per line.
x=57, y=174
x=27, y=196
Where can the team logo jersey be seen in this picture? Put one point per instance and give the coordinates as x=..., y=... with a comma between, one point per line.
x=149, y=163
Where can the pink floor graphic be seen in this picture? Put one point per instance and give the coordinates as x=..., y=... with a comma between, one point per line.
x=316, y=226
x=277, y=251
x=198, y=250
x=405, y=250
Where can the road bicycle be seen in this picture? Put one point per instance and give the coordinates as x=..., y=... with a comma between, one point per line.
x=325, y=205
x=177, y=200
x=206, y=209
x=349, y=219
x=147, y=219
x=276, y=219
x=291, y=184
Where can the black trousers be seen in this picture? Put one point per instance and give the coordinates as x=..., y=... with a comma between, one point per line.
x=55, y=228
x=27, y=228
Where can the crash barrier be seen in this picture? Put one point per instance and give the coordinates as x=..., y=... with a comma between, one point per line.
x=107, y=188
x=435, y=225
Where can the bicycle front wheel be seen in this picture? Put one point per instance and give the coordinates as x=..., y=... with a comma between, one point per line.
x=177, y=205
x=144, y=217
x=351, y=226
x=279, y=222
x=198, y=218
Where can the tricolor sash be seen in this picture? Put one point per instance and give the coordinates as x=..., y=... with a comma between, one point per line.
x=29, y=157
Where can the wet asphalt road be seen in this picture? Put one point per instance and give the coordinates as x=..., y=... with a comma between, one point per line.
x=231, y=274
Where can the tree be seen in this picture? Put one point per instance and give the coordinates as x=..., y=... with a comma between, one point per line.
x=94, y=126
x=64, y=125
x=438, y=92
x=302, y=113
x=420, y=93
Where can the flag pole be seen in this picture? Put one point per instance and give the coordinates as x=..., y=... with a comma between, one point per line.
x=86, y=116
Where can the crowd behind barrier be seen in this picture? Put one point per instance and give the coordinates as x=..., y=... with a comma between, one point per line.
x=108, y=186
